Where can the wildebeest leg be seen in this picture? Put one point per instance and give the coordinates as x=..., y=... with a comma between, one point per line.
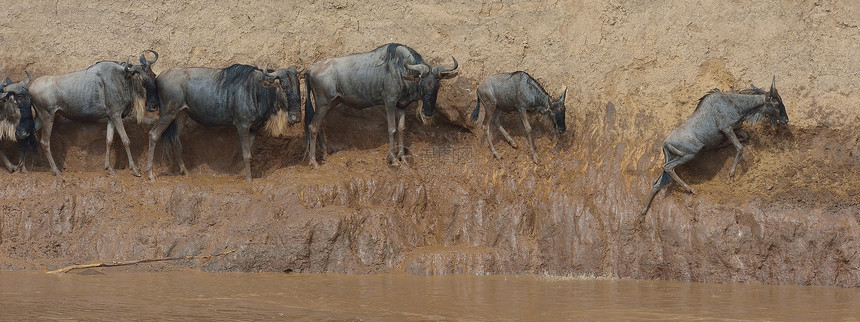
x=525, y=117
x=323, y=149
x=245, y=141
x=109, y=140
x=501, y=129
x=9, y=165
x=117, y=122
x=490, y=140
x=730, y=133
x=314, y=128
x=180, y=124
x=390, y=115
x=164, y=120
x=669, y=167
x=742, y=135
x=401, y=127
x=45, y=140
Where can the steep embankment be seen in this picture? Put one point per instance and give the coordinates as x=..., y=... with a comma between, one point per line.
x=634, y=70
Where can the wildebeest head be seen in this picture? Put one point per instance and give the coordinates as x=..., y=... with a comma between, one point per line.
x=428, y=84
x=287, y=83
x=15, y=101
x=147, y=77
x=556, y=114
x=773, y=107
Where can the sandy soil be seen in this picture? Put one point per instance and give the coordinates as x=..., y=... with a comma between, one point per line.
x=634, y=70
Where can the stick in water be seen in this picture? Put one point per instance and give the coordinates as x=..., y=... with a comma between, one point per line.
x=125, y=263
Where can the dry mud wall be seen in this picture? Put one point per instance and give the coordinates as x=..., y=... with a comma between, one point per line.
x=634, y=70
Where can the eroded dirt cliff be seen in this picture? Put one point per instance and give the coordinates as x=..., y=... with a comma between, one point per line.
x=634, y=70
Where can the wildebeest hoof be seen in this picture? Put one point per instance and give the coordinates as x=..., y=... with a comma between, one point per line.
x=394, y=163
x=498, y=156
x=314, y=165
x=514, y=145
x=110, y=171
x=136, y=173
x=151, y=177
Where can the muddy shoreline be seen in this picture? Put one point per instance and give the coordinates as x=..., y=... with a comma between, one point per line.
x=791, y=216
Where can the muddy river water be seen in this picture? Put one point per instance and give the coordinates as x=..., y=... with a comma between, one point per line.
x=121, y=295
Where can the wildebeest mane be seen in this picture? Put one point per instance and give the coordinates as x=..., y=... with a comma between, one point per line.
x=239, y=79
x=391, y=55
x=750, y=91
x=105, y=61
x=532, y=80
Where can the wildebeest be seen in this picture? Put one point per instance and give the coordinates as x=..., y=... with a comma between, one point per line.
x=16, y=120
x=516, y=92
x=106, y=90
x=392, y=75
x=715, y=120
x=240, y=95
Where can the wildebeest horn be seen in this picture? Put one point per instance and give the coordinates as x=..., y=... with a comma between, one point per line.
x=421, y=68
x=6, y=82
x=273, y=74
x=443, y=69
x=27, y=81
x=563, y=94
x=154, y=59
x=302, y=64
x=127, y=63
x=772, y=85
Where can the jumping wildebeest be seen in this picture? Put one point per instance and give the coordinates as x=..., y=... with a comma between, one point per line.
x=240, y=95
x=17, y=120
x=392, y=75
x=106, y=90
x=716, y=118
x=516, y=92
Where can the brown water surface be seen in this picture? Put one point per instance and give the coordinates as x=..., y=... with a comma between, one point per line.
x=118, y=295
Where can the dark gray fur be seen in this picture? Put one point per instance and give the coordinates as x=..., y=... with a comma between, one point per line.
x=105, y=90
x=392, y=75
x=240, y=95
x=516, y=92
x=715, y=120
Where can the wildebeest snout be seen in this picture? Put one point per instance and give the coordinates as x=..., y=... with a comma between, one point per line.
x=22, y=133
x=294, y=117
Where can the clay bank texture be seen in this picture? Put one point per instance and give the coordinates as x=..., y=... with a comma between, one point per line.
x=791, y=215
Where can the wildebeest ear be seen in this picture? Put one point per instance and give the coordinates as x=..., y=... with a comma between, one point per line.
x=275, y=82
x=143, y=59
x=7, y=82
x=420, y=68
x=563, y=95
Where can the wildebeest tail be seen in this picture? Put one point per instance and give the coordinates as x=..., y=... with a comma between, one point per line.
x=170, y=141
x=661, y=182
x=476, y=111
x=309, y=110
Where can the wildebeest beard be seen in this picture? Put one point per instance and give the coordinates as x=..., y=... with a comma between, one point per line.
x=10, y=118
